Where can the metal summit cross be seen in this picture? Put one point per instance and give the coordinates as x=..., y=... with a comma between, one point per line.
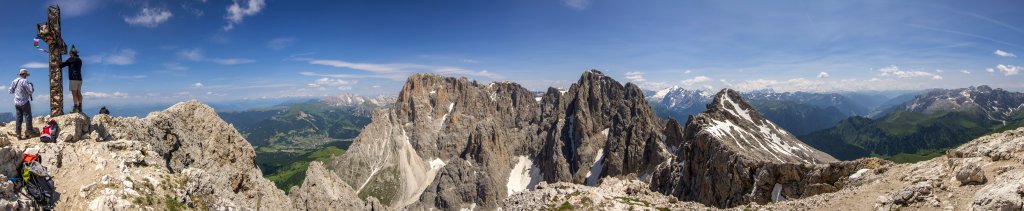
x=50, y=32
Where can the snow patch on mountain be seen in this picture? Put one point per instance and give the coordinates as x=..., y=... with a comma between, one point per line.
x=596, y=168
x=524, y=176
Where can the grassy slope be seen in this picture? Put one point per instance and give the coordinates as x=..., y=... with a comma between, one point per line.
x=288, y=168
x=902, y=136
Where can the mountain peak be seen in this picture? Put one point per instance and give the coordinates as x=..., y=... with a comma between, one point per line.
x=730, y=102
x=733, y=122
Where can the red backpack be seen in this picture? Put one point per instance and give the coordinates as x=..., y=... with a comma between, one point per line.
x=50, y=132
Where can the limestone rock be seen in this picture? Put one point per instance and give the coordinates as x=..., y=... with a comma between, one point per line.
x=732, y=155
x=323, y=190
x=452, y=132
x=971, y=174
x=185, y=157
x=1004, y=193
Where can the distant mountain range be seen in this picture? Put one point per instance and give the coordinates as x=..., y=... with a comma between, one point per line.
x=925, y=126
x=798, y=112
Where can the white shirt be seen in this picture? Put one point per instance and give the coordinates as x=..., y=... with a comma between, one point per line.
x=22, y=90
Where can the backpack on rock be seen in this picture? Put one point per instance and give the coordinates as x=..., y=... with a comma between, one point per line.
x=50, y=132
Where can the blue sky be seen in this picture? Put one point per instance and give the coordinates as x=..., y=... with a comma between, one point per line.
x=168, y=51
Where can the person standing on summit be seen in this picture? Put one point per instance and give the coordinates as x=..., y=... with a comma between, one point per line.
x=22, y=90
x=74, y=65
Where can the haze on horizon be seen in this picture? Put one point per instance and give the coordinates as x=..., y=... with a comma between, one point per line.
x=217, y=51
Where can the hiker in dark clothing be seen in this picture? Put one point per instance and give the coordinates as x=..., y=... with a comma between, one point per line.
x=22, y=90
x=74, y=65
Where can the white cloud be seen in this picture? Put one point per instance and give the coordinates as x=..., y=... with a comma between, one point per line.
x=376, y=68
x=232, y=61
x=35, y=65
x=196, y=54
x=1004, y=54
x=638, y=79
x=635, y=76
x=695, y=80
x=822, y=75
x=115, y=95
x=578, y=4
x=1008, y=70
x=688, y=72
x=237, y=12
x=990, y=70
x=130, y=76
x=123, y=57
x=395, y=71
x=195, y=10
x=149, y=17
x=281, y=43
x=324, y=83
x=894, y=71
x=965, y=72
x=198, y=85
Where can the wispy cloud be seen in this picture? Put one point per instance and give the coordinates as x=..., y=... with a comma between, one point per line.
x=822, y=75
x=1008, y=70
x=398, y=71
x=238, y=10
x=639, y=79
x=197, y=85
x=124, y=56
x=149, y=17
x=35, y=65
x=695, y=80
x=1004, y=54
x=578, y=4
x=281, y=43
x=232, y=61
x=894, y=71
x=962, y=33
x=174, y=66
x=990, y=20
x=196, y=54
x=194, y=10
x=965, y=72
x=129, y=76
x=106, y=95
x=635, y=76
x=324, y=83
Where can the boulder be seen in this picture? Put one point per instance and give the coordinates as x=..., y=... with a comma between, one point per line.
x=971, y=174
x=1005, y=193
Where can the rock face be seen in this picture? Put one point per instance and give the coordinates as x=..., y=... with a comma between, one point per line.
x=185, y=157
x=323, y=190
x=453, y=143
x=732, y=155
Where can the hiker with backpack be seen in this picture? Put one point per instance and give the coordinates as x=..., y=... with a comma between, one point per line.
x=22, y=90
x=74, y=65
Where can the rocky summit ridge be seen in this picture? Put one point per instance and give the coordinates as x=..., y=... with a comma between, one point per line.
x=452, y=143
x=184, y=157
